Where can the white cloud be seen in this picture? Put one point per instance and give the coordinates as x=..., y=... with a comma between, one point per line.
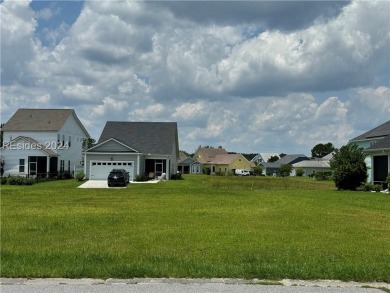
x=226, y=82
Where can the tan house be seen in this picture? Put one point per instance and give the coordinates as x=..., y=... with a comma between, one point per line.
x=218, y=160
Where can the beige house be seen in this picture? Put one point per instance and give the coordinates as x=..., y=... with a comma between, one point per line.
x=218, y=160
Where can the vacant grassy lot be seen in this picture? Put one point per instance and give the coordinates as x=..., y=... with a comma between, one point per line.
x=201, y=226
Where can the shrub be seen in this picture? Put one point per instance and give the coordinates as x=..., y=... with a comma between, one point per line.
x=366, y=187
x=388, y=178
x=141, y=178
x=285, y=170
x=349, y=168
x=299, y=172
x=19, y=180
x=79, y=176
x=220, y=173
x=206, y=170
x=176, y=176
x=377, y=188
x=4, y=180
x=258, y=170
x=322, y=175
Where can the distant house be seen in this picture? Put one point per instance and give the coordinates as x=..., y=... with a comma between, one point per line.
x=312, y=166
x=188, y=165
x=376, y=145
x=219, y=160
x=142, y=148
x=273, y=168
x=43, y=142
x=263, y=157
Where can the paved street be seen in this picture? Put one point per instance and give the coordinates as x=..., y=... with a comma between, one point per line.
x=182, y=286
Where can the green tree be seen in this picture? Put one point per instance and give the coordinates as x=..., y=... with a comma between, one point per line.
x=88, y=143
x=321, y=150
x=258, y=170
x=285, y=170
x=349, y=168
x=273, y=159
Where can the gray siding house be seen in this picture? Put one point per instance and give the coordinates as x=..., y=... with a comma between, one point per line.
x=141, y=148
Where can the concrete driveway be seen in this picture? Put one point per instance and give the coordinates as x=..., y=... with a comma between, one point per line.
x=95, y=184
x=103, y=184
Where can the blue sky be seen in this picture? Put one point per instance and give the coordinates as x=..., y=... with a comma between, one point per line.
x=256, y=76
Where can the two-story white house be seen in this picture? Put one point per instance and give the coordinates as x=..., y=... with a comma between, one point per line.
x=42, y=142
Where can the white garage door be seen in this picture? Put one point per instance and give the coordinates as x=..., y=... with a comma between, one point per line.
x=101, y=169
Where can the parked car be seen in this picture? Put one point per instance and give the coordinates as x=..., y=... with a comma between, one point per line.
x=118, y=177
x=242, y=172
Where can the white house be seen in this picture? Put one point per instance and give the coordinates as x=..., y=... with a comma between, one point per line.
x=42, y=142
x=376, y=145
x=263, y=157
x=312, y=166
x=142, y=148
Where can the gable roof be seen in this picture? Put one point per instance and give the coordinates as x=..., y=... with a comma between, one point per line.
x=206, y=155
x=264, y=156
x=40, y=120
x=379, y=131
x=185, y=160
x=37, y=145
x=380, y=145
x=145, y=137
x=312, y=164
x=225, y=159
x=288, y=159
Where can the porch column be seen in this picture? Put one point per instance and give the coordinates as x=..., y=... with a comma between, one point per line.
x=47, y=166
x=167, y=168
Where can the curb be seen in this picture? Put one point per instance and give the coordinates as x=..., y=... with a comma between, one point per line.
x=227, y=281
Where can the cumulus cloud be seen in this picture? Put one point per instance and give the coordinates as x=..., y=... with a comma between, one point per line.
x=251, y=79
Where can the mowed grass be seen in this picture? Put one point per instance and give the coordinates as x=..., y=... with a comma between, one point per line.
x=202, y=226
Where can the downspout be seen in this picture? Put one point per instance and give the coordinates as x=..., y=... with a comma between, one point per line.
x=138, y=160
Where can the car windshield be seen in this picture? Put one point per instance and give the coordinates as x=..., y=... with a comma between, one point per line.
x=112, y=174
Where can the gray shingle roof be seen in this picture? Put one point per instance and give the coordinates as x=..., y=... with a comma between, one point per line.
x=379, y=131
x=40, y=120
x=146, y=137
x=288, y=159
x=380, y=145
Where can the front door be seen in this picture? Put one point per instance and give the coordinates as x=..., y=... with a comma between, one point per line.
x=159, y=167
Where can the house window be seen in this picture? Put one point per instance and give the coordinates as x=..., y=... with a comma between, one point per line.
x=70, y=140
x=21, y=165
x=62, y=165
x=69, y=166
x=63, y=139
x=58, y=138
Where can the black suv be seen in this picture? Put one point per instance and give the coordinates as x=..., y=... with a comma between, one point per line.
x=118, y=177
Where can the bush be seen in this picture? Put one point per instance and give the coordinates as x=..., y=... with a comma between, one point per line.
x=366, y=187
x=176, y=176
x=377, y=188
x=349, y=168
x=79, y=176
x=141, y=178
x=285, y=170
x=322, y=175
x=19, y=180
x=206, y=170
x=299, y=172
x=258, y=170
x=4, y=180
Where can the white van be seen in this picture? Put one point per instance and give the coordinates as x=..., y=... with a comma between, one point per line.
x=242, y=172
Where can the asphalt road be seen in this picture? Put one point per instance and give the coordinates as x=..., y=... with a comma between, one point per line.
x=173, y=286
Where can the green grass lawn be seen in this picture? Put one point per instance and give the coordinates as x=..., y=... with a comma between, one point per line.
x=202, y=226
